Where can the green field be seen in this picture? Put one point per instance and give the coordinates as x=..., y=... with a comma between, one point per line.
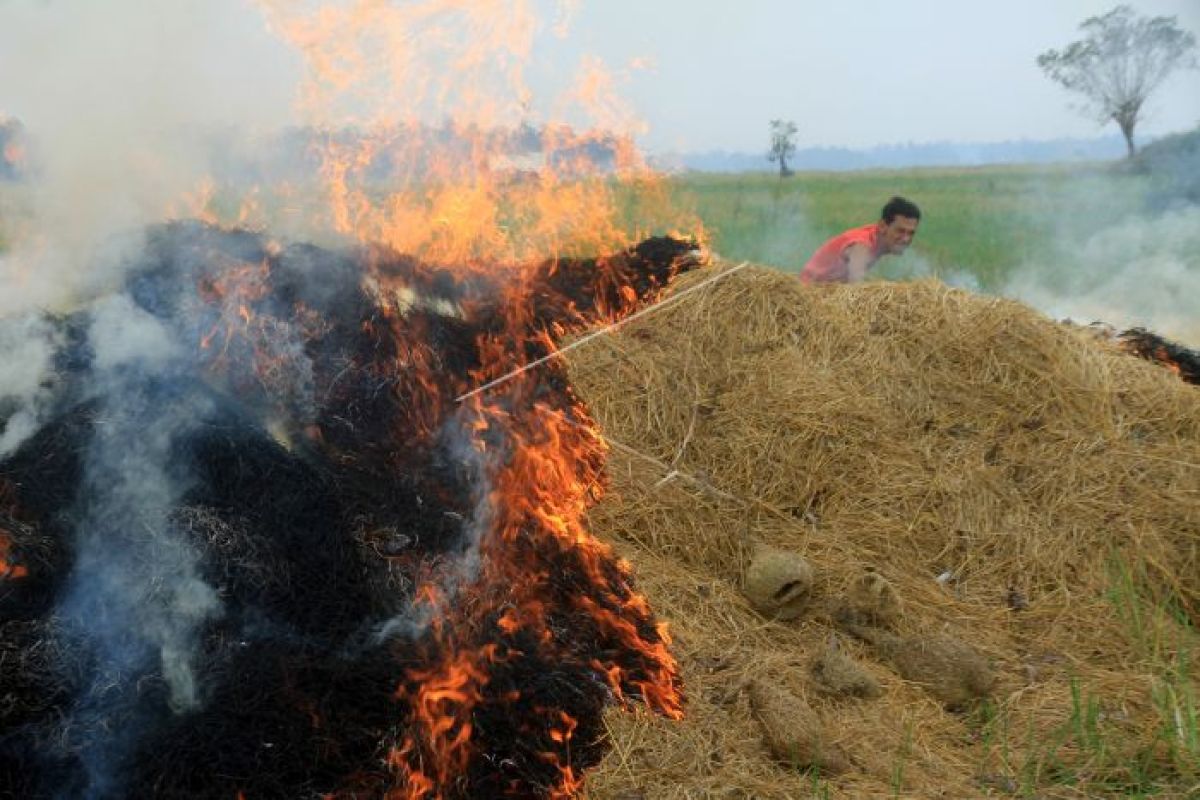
x=1068, y=229
x=984, y=222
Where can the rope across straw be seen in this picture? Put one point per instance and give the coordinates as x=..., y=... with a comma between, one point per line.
x=601, y=332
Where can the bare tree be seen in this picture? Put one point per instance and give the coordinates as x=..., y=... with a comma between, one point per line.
x=1120, y=61
x=783, y=144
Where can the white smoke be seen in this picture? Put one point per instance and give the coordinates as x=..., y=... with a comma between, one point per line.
x=133, y=483
x=1143, y=271
x=28, y=343
x=135, y=596
x=120, y=101
x=124, y=335
x=457, y=436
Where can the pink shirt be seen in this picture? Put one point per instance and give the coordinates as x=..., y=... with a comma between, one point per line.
x=828, y=264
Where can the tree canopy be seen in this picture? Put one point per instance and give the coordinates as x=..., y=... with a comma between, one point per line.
x=1121, y=60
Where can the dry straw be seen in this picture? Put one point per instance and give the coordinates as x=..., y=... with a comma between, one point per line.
x=1008, y=490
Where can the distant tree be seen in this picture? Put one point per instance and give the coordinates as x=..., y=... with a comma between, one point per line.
x=1120, y=61
x=783, y=144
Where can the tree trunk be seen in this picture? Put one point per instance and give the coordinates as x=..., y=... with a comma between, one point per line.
x=1127, y=131
x=783, y=167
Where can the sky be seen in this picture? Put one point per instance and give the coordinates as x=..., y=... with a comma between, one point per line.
x=700, y=75
x=857, y=73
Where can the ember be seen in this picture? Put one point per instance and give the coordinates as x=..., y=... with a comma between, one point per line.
x=259, y=550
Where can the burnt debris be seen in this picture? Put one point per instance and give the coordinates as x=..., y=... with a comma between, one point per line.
x=212, y=547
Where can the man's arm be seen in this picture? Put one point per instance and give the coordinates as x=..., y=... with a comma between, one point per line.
x=858, y=259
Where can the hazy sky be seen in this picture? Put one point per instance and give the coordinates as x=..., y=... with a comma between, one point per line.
x=856, y=73
x=701, y=74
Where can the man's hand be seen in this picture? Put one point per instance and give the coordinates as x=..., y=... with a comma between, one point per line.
x=858, y=259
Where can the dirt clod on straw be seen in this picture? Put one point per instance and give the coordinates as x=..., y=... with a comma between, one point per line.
x=871, y=600
x=792, y=730
x=835, y=674
x=951, y=670
x=778, y=583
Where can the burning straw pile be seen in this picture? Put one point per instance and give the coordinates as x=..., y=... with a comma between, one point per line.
x=254, y=546
x=910, y=542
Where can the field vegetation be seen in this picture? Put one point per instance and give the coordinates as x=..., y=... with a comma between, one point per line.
x=979, y=225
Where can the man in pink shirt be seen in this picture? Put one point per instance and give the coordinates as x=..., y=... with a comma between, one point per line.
x=846, y=257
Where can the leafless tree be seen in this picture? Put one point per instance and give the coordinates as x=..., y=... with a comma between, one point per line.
x=783, y=144
x=1121, y=60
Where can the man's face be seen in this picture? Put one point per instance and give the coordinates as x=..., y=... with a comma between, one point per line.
x=897, y=235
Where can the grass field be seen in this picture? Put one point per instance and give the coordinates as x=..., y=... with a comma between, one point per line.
x=1088, y=242
x=983, y=222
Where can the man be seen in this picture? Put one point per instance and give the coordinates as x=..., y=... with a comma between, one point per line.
x=846, y=257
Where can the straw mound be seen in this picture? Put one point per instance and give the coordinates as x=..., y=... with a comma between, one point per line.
x=982, y=483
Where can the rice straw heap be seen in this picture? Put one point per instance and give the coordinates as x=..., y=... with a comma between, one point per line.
x=1001, y=513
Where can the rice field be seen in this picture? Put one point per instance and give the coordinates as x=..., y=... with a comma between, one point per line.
x=985, y=222
x=1086, y=242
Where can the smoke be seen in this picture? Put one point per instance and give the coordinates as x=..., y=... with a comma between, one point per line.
x=457, y=440
x=913, y=266
x=1143, y=270
x=120, y=101
x=28, y=342
x=135, y=600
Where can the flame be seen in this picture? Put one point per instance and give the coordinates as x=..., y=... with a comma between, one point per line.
x=1182, y=361
x=196, y=204
x=13, y=153
x=546, y=471
x=1161, y=355
x=237, y=286
x=9, y=570
x=443, y=703
x=433, y=94
x=428, y=149
x=238, y=324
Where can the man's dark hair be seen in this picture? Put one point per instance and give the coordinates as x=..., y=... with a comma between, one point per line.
x=899, y=207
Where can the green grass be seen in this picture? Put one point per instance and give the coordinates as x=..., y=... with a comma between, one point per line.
x=901, y=760
x=983, y=222
x=978, y=224
x=1092, y=752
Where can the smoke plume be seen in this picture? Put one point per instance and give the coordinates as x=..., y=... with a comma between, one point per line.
x=1142, y=271
x=119, y=101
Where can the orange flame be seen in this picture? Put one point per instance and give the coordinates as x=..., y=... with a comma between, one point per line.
x=9, y=570
x=1183, y=362
x=235, y=292
x=443, y=703
x=435, y=94
x=430, y=149
x=544, y=482
x=1163, y=357
x=14, y=153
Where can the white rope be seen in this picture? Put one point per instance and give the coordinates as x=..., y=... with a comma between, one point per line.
x=601, y=332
